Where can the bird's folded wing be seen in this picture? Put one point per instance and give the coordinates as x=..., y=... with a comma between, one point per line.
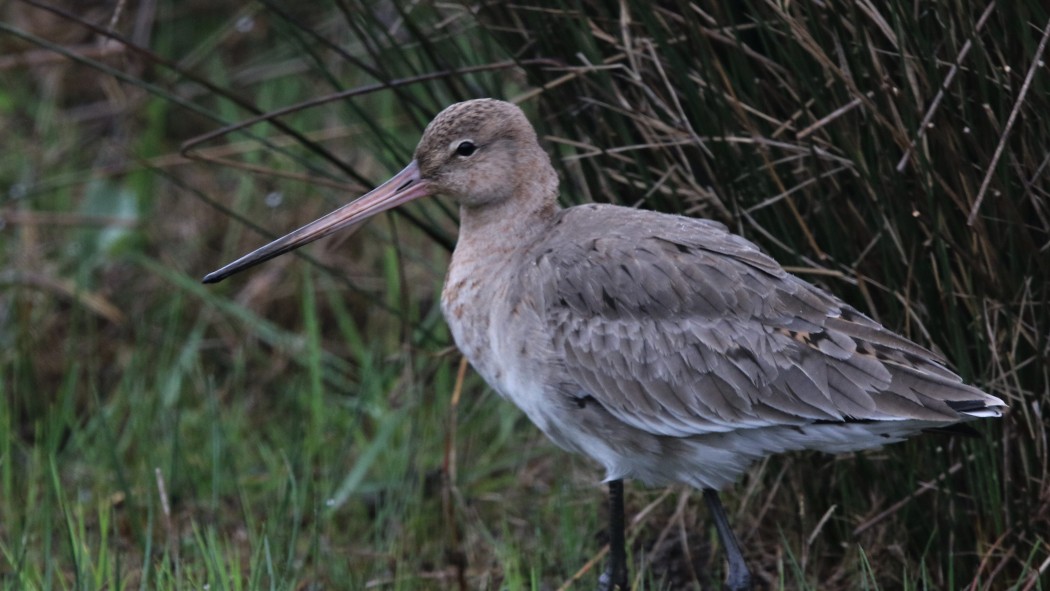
x=685, y=329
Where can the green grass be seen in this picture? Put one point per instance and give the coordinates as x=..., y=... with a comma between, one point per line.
x=295, y=428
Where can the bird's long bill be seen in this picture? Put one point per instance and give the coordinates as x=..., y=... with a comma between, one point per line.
x=402, y=188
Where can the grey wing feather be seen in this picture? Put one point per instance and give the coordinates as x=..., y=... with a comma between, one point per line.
x=683, y=328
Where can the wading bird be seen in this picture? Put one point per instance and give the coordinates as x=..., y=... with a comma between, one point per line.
x=663, y=347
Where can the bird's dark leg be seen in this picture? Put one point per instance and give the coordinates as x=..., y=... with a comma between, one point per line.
x=615, y=576
x=739, y=578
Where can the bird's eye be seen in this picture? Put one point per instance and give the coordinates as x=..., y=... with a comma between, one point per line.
x=466, y=148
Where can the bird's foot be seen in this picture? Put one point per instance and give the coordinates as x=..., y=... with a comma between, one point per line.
x=739, y=579
x=612, y=582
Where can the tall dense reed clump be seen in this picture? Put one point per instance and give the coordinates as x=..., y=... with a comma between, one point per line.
x=895, y=153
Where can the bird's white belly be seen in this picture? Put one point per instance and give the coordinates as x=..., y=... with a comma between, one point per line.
x=491, y=353
x=509, y=360
x=557, y=419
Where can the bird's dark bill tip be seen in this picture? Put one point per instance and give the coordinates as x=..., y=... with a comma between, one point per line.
x=232, y=269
